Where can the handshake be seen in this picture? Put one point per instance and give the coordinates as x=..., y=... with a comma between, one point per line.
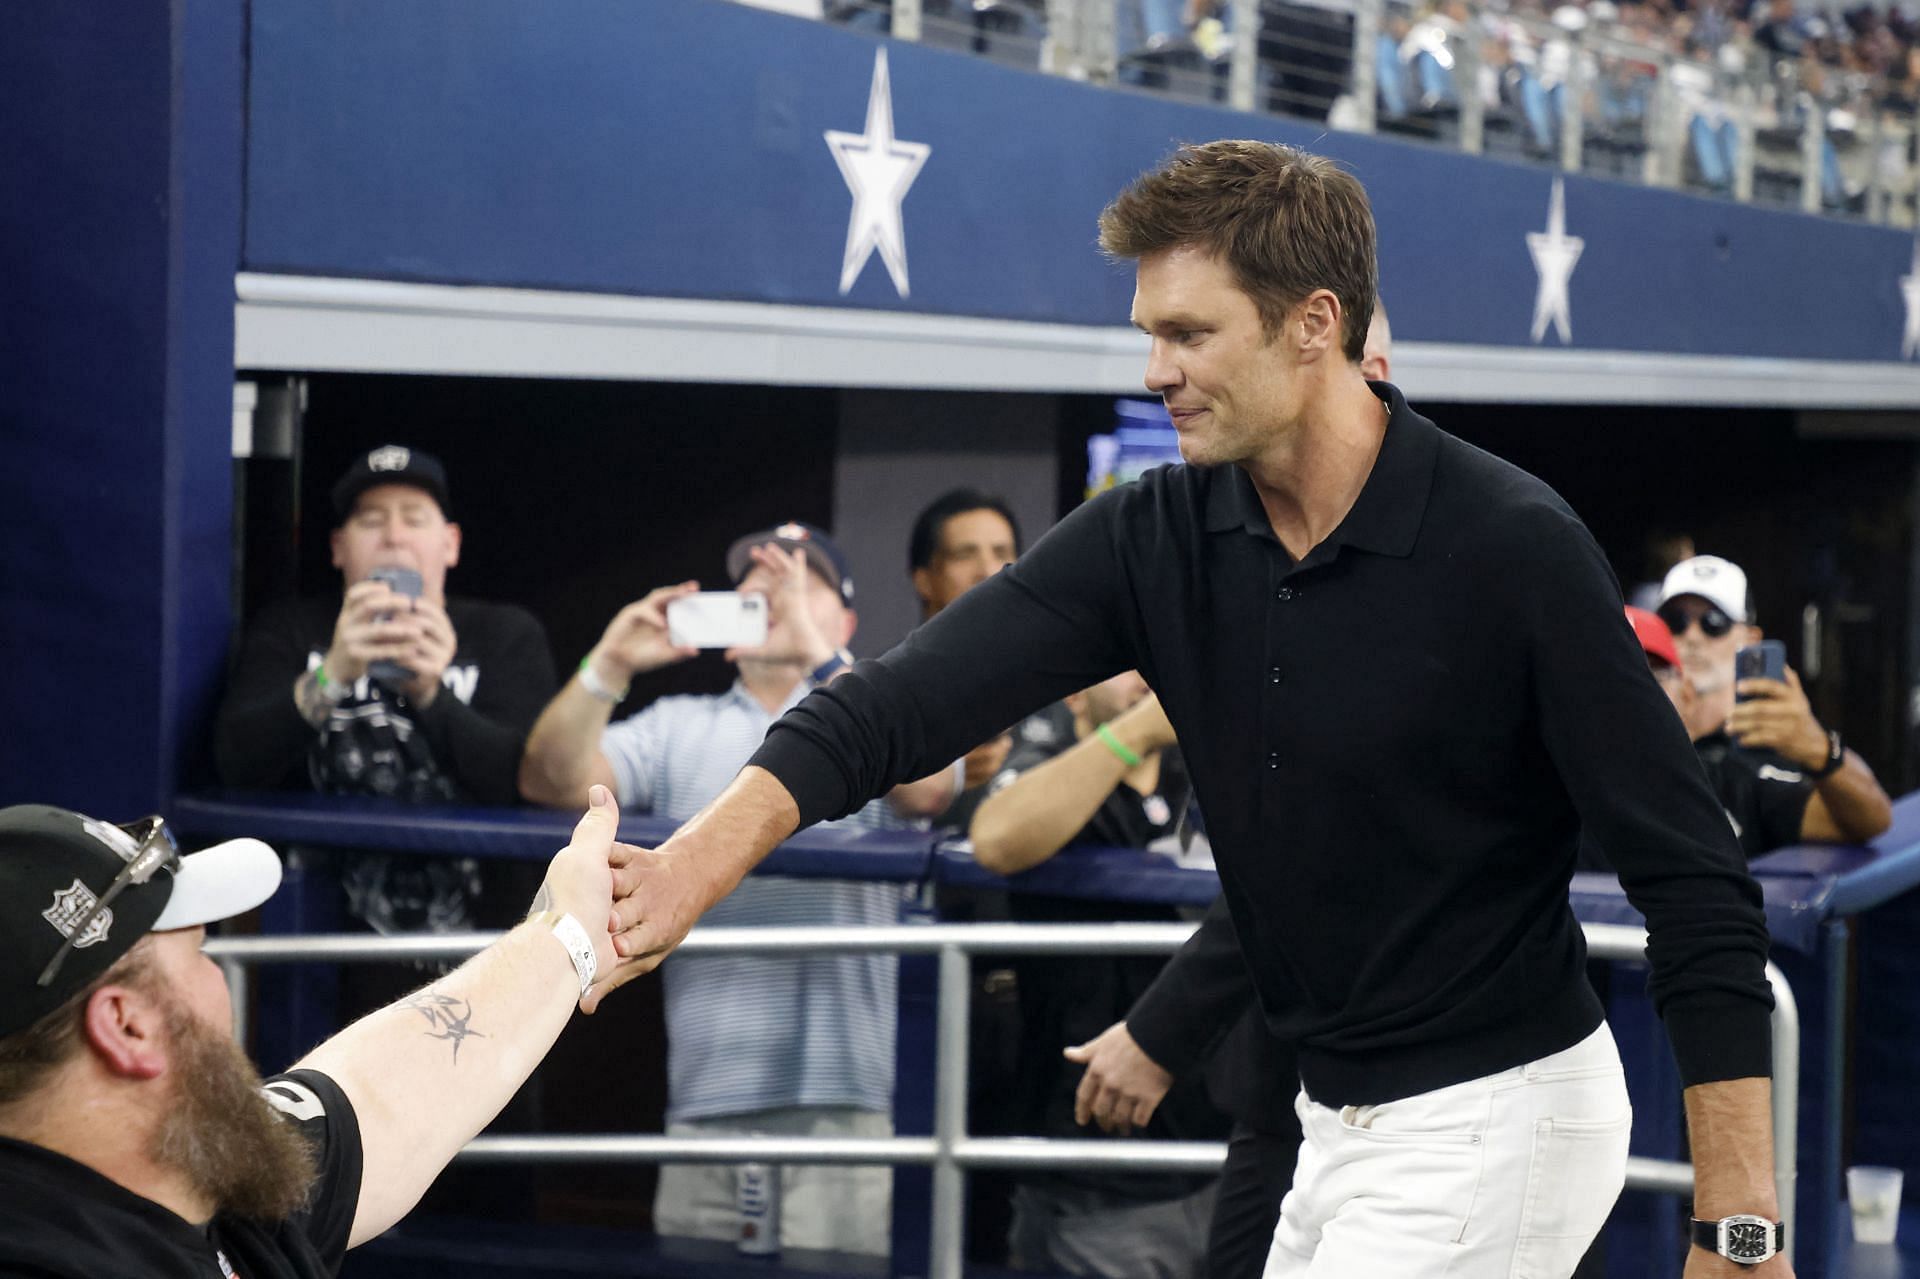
x=634, y=905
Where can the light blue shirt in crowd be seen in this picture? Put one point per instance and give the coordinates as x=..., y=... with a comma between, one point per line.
x=748, y=1033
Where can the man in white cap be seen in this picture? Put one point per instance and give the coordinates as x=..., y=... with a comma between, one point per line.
x=135, y=1135
x=1782, y=777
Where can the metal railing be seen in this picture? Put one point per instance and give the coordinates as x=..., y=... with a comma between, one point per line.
x=1603, y=97
x=950, y=1151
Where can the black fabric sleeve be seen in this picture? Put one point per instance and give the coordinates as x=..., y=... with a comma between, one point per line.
x=480, y=745
x=1060, y=618
x=260, y=742
x=1624, y=758
x=326, y=1118
x=1202, y=993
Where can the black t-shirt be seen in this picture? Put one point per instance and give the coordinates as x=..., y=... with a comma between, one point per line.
x=1067, y=1000
x=463, y=747
x=62, y=1220
x=1765, y=797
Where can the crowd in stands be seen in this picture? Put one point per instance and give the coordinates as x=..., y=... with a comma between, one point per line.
x=1785, y=57
x=393, y=687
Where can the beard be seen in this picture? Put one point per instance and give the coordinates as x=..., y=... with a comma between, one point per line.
x=241, y=1154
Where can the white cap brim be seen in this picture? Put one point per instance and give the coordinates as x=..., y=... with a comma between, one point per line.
x=220, y=882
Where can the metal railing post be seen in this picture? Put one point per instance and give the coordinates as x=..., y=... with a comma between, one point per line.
x=1099, y=49
x=1786, y=1083
x=1466, y=88
x=1813, y=130
x=951, y=1009
x=1745, y=103
x=1573, y=108
x=1243, y=62
x=1366, y=88
x=906, y=19
x=1660, y=162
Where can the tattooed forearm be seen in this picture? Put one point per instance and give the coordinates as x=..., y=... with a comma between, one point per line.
x=447, y=1017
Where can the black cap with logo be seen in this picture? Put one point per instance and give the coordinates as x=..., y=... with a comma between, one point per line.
x=77, y=893
x=391, y=464
x=823, y=556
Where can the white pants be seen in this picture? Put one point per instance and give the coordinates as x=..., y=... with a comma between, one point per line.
x=846, y=1208
x=1506, y=1177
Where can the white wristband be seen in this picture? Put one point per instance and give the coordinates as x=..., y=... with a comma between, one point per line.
x=573, y=935
x=596, y=687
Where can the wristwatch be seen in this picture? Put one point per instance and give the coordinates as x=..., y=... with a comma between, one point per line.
x=1743, y=1239
x=840, y=660
x=1836, y=756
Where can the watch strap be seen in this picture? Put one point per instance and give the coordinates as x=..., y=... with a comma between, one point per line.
x=1836, y=756
x=840, y=661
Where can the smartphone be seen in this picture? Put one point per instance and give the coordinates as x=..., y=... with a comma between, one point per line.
x=401, y=581
x=718, y=619
x=1765, y=660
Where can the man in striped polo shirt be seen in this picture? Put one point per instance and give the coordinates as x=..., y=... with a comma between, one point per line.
x=794, y=1046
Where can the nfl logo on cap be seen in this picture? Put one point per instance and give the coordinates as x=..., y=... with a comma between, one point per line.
x=389, y=458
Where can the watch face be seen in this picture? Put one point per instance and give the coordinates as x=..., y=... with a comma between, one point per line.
x=1748, y=1241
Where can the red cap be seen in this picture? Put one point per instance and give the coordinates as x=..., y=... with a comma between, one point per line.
x=1654, y=636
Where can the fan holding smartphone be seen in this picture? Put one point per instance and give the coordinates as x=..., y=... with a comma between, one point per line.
x=732, y=1061
x=1783, y=777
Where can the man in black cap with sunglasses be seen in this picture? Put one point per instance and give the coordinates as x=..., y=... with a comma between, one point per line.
x=136, y=1138
x=1782, y=777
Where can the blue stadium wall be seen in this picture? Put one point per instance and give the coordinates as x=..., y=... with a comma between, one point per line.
x=668, y=149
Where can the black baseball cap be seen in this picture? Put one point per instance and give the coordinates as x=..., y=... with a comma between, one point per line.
x=823, y=556
x=391, y=464
x=56, y=865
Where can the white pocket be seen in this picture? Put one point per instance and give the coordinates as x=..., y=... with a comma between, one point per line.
x=1577, y=1169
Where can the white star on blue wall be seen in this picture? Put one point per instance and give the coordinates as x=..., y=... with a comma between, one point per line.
x=878, y=168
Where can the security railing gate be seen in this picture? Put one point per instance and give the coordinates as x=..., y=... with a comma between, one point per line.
x=950, y=1151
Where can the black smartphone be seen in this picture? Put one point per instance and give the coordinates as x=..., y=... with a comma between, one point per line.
x=1765, y=660
x=402, y=581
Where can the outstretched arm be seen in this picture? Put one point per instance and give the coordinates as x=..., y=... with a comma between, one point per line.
x=429, y=1072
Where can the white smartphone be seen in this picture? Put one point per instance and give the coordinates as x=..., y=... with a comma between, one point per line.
x=718, y=619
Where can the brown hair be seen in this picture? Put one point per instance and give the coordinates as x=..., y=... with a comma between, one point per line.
x=29, y=1056
x=1286, y=222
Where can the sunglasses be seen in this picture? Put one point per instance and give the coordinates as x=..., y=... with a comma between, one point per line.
x=1713, y=620
x=154, y=849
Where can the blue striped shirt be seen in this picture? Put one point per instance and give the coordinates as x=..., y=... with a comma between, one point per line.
x=748, y=1033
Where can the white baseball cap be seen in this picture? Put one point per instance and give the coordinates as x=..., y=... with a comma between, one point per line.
x=1720, y=582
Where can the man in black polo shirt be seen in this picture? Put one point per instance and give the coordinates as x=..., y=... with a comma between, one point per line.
x=1082, y=787
x=135, y=1136
x=1396, y=668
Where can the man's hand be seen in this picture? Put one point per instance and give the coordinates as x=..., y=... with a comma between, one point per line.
x=636, y=641
x=793, y=637
x=658, y=896
x=983, y=762
x=1777, y=717
x=430, y=652
x=370, y=628
x=1145, y=722
x=1122, y=1087
x=579, y=879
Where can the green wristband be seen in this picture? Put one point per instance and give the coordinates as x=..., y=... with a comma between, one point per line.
x=1118, y=747
x=320, y=679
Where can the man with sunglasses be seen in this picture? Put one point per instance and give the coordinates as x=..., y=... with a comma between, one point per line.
x=136, y=1138
x=1782, y=777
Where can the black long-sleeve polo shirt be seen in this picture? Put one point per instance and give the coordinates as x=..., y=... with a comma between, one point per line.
x=1396, y=740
